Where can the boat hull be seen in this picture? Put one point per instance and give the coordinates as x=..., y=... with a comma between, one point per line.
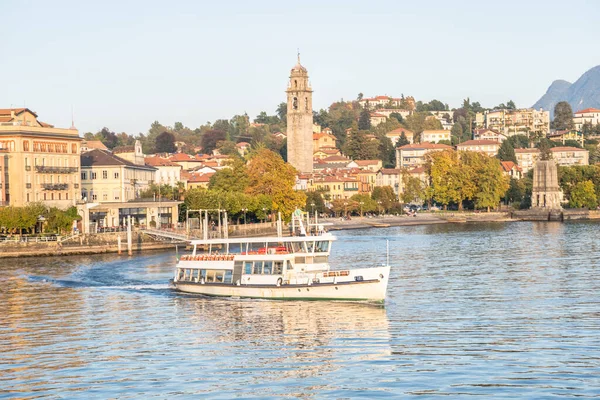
x=372, y=290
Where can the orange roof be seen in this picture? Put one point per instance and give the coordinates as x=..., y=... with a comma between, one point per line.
x=96, y=144
x=317, y=136
x=17, y=111
x=588, y=110
x=367, y=162
x=182, y=157
x=243, y=144
x=160, y=162
x=199, y=178
x=400, y=130
x=334, y=159
x=417, y=170
x=508, y=165
x=425, y=145
x=481, y=142
x=390, y=171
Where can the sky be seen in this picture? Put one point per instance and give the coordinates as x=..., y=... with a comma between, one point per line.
x=124, y=64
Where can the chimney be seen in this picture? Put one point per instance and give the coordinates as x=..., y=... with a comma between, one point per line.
x=12, y=113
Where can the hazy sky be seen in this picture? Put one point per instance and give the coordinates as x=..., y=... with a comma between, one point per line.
x=124, y=64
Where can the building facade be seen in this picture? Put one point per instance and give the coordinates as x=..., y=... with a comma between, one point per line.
x=434, y=136
x=40, y=162
x=523, y=121
x=413, y=155
x=589, y=115
x=299, y=120
x=489, y=147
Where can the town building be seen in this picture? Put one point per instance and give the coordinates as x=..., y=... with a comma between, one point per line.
x=377, y=118
x=589, y=115
x=373, y=103
x=106, y=177
x=445, y=118
x=389, y=177
x=337, y=187
x=488, y=134
x=523, y=121
x=39, y=162
x=371, y=165
x=564, y=156
x=131, y=153
x=167, y=172
x=489, y=147
x=323, y=141
x=564, y=135
x=389, y=111
x=299, y=120
x=414, y=155
x=511, y=169
x=435, y=136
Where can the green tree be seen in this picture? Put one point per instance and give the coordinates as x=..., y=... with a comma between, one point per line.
x=583, y=194
x=361, y=147
x=364, y=121
x=363, y=203
x=269, y=175
x=506, y=152
x=210, y=140
x=515, y=193
x=281, y=112
x=413, y=189
x=317, y=199
x=232, y=179
x=490, y=182
x=402, y=140
x=385, y=197
x=563, y=116
x=165, y=142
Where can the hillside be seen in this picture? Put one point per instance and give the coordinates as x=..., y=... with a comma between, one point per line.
x=584, y=93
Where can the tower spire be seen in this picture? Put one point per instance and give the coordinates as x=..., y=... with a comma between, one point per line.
x=298, y=55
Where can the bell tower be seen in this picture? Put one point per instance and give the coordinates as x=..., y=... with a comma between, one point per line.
x=299, y=120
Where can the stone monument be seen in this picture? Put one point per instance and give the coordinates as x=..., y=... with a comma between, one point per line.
x=546, y=193
x=299, y=120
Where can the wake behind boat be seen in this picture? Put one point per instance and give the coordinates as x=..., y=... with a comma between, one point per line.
x=280, y=268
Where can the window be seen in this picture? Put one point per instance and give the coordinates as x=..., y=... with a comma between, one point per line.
x=104, y=174
x=94, y=196
x=116, y=194
x=248, y=267
x=83, y=176
x=26, y=145
x=92, y=175
x=104, y=196
x=116, y=175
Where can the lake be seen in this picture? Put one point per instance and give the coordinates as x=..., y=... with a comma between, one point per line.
x=494, y=310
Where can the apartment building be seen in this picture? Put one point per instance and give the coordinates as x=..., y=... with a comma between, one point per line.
x=434, y=136
x=414, y=155
x=389, y=177
x=489, y=147
x=564, y=156
x=39, y=162
x=589, y=115
x=523, y=121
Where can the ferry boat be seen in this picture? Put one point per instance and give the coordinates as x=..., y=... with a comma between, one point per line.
x=278, y=268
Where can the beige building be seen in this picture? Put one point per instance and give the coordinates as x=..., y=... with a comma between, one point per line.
x=167, y=172
x=377, y=102
x=106, y=177
x=40, y=162
x=523, y=121
x=377, y=119
x=564, y=156
x=389, y=177
x=589, y=115
x=434, y=136
x=489, y=147
x=323, y=141
x=299, y=120
x=488, y=134
x=413, y=155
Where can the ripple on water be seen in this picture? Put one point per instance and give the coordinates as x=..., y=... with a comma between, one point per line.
x=489, y=310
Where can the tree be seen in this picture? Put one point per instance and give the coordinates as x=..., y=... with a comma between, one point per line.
x=364, y=121
x=165, y=143
x=413, y=189
x=233, y=179
x=269, y=175
x=402, y=140
x=281, y=112
x=363, y=203
x=384, y=196
x=506, y=152
x=563, y=116
x=456, y=133
x=583, y=195
x=360, y=147
x=359, y=97
x=518, y=141
x=108, y=138
x=397, y=116
x=515, y=192
x=490, y=182
x=210, y=140
x=545, y=145
x=315, y=198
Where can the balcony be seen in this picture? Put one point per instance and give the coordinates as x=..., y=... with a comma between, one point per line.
x=351, y=189
x=28, y=185
x=55, y=186
x=44, y=169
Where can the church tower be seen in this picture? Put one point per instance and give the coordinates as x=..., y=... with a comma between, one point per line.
x=299, y=120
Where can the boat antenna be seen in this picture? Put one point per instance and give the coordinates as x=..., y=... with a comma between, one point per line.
x=387, y=246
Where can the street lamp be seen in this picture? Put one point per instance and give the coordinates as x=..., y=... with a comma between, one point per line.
x=379, y=206
x=345, y=208
x=264, y=215
x=313, y=207
x=361, y=204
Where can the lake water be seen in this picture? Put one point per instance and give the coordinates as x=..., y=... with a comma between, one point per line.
x=488, y=310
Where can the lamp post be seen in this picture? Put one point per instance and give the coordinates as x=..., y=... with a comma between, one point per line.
x=345, y=209
x=313, y=207
x=244, y=210
x=264, y=214
x=379, y=207
x=361, y=204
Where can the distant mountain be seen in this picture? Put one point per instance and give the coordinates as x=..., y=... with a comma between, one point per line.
x=584, y=93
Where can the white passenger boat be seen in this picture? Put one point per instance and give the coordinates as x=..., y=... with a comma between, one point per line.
x=280, y=268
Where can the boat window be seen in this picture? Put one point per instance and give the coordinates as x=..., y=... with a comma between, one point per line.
x=180, y=274
x=257, y=248
x=235, y=248
x=296, y=247
x=248, y=267
x=219, y=275
x=268, y=268
x=278, y=267
x=320, y=259
x=210, y=276
x=257, y=267
x=310, y=246
x=290, y=265
x=322, y=247
x=228, y=276
x=203, y=274
x=300, y=260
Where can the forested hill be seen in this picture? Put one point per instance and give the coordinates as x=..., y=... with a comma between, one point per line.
x=582, y=94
